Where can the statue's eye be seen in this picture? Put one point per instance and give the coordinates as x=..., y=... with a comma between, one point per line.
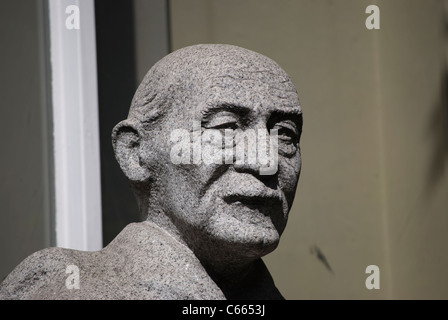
x=221, y=120
x=287, y=132
x=287, y=137
x=226, y=125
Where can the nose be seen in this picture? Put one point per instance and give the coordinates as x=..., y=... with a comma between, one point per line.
x=255, y=153
x=244, y=166
x=255, y=169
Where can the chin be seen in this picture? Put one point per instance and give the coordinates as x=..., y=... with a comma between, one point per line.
x=243, y=237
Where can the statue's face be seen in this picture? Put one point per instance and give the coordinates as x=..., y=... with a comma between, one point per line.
x=232, y=203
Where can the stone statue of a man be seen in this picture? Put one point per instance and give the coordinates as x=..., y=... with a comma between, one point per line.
x=211, y=208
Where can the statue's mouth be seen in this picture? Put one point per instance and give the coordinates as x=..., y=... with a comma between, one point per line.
x=263, y=203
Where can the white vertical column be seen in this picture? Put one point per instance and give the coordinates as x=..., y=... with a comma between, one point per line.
x=76, y=129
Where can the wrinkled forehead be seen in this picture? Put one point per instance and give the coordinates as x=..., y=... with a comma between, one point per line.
x=223, y=73
x=193, y=78
x=266, y=88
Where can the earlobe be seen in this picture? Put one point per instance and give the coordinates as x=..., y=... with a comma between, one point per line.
x=126, y=141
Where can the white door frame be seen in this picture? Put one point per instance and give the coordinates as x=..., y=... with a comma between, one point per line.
x=77, y=181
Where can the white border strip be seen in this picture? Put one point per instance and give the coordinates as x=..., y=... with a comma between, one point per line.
x=76, y=129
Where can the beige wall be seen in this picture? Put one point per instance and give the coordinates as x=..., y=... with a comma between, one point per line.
x=415, y=121
x=151, y=34
x=374, y=185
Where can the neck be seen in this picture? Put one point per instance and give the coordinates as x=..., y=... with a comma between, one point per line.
x=237, y=275
x=229, y=272
x=252, y=282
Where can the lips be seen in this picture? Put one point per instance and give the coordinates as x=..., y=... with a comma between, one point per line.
x=254, y=201
x=245, y=190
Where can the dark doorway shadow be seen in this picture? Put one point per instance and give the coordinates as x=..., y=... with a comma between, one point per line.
x=116, y=87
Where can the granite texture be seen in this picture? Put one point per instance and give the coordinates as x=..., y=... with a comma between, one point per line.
x=206, y=225
x=142, y=262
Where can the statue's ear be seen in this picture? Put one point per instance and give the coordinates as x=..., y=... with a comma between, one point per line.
x=126, y=141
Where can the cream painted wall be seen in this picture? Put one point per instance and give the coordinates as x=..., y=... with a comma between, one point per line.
x=374, y=184
x=412, y=69
x=151, y=34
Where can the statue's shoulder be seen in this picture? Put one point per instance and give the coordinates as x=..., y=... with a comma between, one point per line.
x=142, y=262
x=47, y=268
x=157, y=266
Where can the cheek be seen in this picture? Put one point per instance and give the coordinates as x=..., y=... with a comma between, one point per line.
x=183, y=184
x=288, y=174
x=186, y=188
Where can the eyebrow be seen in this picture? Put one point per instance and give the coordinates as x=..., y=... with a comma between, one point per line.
x=287, y=113
x=234, y=108
x=295, y=115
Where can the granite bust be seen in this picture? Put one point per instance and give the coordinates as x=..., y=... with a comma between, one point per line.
x=206, y=220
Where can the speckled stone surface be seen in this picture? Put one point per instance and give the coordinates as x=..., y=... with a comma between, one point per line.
x=143, y=262
x=206, y=226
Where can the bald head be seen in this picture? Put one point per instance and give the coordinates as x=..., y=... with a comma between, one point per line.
x=186, y=72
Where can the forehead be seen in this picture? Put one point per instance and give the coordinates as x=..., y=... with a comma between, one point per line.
x=269, y=90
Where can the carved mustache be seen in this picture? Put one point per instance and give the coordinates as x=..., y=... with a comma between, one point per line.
x=254, y=201
x=248, y=189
